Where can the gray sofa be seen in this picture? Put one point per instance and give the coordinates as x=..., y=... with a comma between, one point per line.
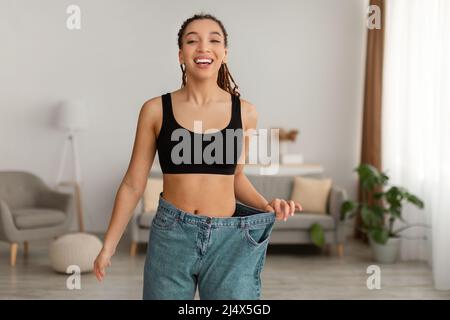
x=30, y=210
x=293, y=231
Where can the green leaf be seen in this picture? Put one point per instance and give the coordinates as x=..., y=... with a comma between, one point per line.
x=394, y=196
x=414, y=200
x=368, y=176
x=384, y=178
x=317, y=235
x=378, y=212
x=372, y=216
x=347, y=209
x=378, y=195
x=379, y=235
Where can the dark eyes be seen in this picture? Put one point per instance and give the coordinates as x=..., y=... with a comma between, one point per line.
x=191, y=41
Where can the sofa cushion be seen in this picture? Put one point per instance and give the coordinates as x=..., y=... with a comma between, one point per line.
x=151, y=194
x=29, y=218
x=271, y=187
x=303, y=221
x=312, y=193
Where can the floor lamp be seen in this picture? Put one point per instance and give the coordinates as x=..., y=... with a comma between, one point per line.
x=72, y=119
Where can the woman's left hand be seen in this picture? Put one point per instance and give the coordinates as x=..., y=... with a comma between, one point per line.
x=283, y=208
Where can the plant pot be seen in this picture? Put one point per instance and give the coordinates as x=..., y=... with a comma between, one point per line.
x=385, y=253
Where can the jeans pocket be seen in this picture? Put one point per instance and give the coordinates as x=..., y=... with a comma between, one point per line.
x=163, y=221
x=258, y=235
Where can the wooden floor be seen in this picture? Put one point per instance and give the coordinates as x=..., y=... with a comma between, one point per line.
x=291, y=272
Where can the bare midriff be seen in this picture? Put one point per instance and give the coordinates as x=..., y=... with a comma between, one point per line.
x=201, y=194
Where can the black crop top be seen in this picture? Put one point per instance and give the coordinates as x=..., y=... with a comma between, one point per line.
x=183, y=151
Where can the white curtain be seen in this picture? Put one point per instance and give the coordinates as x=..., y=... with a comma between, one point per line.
x=416, y=124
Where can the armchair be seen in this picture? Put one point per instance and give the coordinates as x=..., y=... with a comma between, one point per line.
x=30, y=210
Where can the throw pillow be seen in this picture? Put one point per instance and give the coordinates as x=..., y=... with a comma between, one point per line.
x=312, y=193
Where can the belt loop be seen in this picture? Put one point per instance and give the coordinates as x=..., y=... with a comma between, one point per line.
x=243, y=222
x=181, y=215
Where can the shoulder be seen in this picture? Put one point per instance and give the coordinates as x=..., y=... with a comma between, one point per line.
x=249, y=114
x=151, y=111
x=152, y=106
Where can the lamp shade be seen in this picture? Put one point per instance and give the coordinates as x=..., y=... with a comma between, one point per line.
x=72, y=115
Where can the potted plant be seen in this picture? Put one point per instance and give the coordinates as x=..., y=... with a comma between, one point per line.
x=379, y=214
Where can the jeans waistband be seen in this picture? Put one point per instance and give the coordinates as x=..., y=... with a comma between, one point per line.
x=257, y=217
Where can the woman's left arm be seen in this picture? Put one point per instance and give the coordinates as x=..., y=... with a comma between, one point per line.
x=244, y=191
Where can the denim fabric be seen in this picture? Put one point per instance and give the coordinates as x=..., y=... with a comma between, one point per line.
x=224, y=257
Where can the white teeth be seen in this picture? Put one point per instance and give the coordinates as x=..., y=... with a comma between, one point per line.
x=209, y=61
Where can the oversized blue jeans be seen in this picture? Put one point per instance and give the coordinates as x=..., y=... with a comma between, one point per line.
x=224, y=257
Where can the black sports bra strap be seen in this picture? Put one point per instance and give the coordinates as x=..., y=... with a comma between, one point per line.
x=168, y=116
x=236, y=120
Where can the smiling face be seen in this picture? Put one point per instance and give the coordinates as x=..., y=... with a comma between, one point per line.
x=203, y=49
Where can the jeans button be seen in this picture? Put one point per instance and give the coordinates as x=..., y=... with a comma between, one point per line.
x=208, y=220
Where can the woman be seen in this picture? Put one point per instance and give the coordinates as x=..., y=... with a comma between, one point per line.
x=200, y=236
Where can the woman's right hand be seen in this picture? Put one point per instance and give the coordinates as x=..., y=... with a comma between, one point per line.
x=102, y=261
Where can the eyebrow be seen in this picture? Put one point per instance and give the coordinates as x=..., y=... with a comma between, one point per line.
x=212, y=32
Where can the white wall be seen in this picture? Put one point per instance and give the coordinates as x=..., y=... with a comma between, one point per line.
x=300, y=62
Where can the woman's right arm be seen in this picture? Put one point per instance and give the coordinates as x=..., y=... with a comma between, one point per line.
x=132, y=186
